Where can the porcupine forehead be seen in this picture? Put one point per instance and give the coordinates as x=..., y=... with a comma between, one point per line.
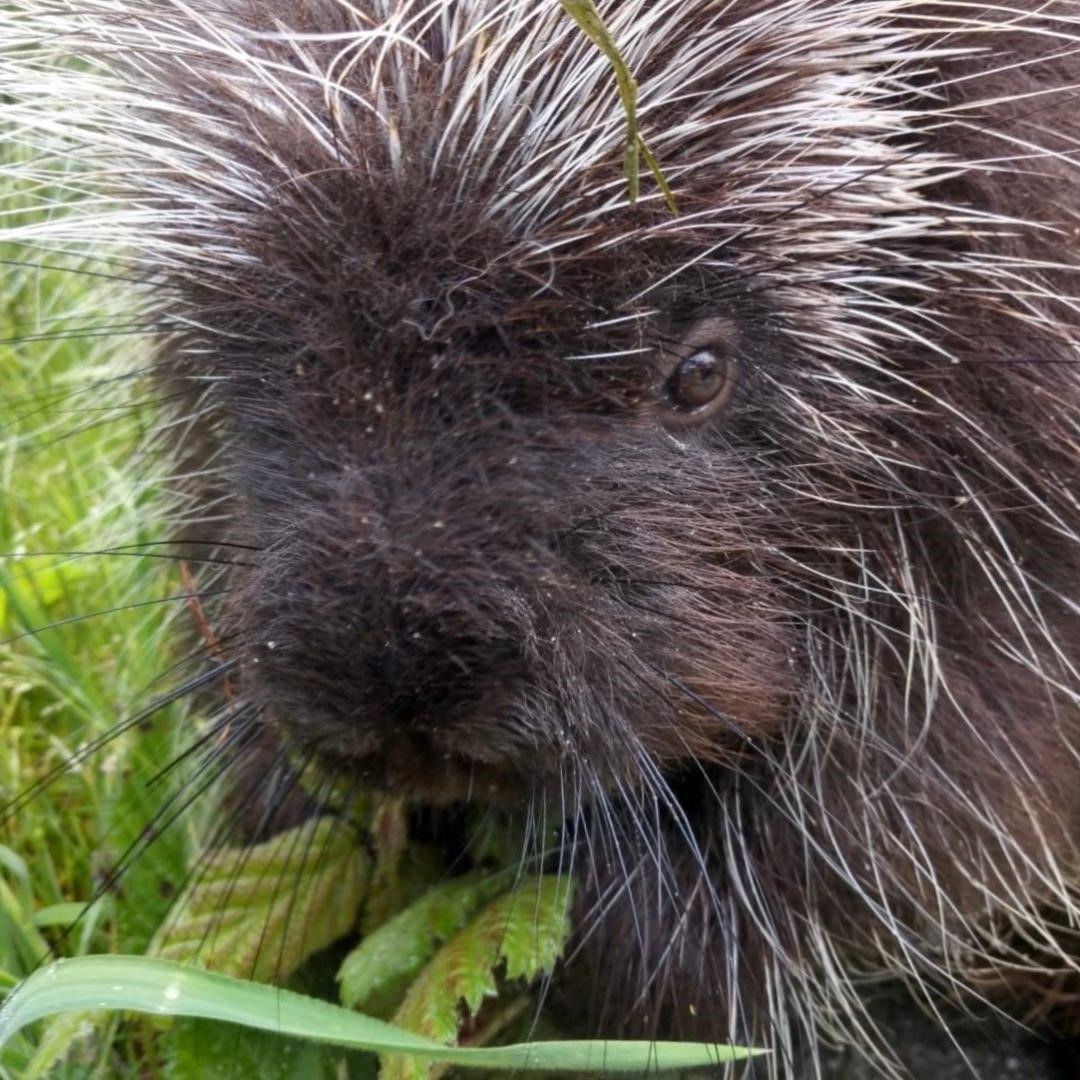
x=507, y=109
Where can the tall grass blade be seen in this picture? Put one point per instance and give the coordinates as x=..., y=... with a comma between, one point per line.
x=143, y=984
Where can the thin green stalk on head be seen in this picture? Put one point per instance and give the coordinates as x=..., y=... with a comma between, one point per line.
x=584, y=13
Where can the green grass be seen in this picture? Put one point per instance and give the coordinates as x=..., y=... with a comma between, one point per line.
x=75, y=477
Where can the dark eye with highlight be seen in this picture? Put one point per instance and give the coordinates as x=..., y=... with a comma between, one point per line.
x=698, y=386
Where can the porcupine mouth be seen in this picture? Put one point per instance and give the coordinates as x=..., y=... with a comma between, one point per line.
x=435, y=756
x=416, y=766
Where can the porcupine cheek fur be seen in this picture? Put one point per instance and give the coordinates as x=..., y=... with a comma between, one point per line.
x=467, y=591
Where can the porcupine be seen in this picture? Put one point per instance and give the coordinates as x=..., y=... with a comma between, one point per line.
x=739, y=527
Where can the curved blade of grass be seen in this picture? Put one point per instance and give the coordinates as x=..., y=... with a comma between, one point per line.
x=143, y=984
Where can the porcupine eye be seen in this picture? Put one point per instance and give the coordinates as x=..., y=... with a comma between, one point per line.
x=697, y=380
x=698, y=386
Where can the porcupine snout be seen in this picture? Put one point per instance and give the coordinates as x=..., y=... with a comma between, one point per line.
x=402, y=615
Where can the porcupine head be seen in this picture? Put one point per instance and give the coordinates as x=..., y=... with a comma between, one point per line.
x=736, y=527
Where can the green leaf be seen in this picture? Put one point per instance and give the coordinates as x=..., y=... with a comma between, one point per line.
x=522, y=932
x=59, y=1040
x=19, y=938
x=262, y=911
x=376, y=974
x=63, y=914
x=143, y=984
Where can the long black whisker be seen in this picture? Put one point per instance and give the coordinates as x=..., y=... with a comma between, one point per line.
x=103, y=740
x=199, y=595
x=25, y=264
x=206, y=651
x=207, y=774
x=205, y=560
x=217, y=732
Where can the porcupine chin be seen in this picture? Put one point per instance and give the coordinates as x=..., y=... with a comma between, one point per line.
x=745, y=537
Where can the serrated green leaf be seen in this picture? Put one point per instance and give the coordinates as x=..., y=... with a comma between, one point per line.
x=376, y=974
x=521, y=932
x=260, y=912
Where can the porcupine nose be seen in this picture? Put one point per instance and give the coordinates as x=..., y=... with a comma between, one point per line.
x=397, y=623
x=419, y=650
